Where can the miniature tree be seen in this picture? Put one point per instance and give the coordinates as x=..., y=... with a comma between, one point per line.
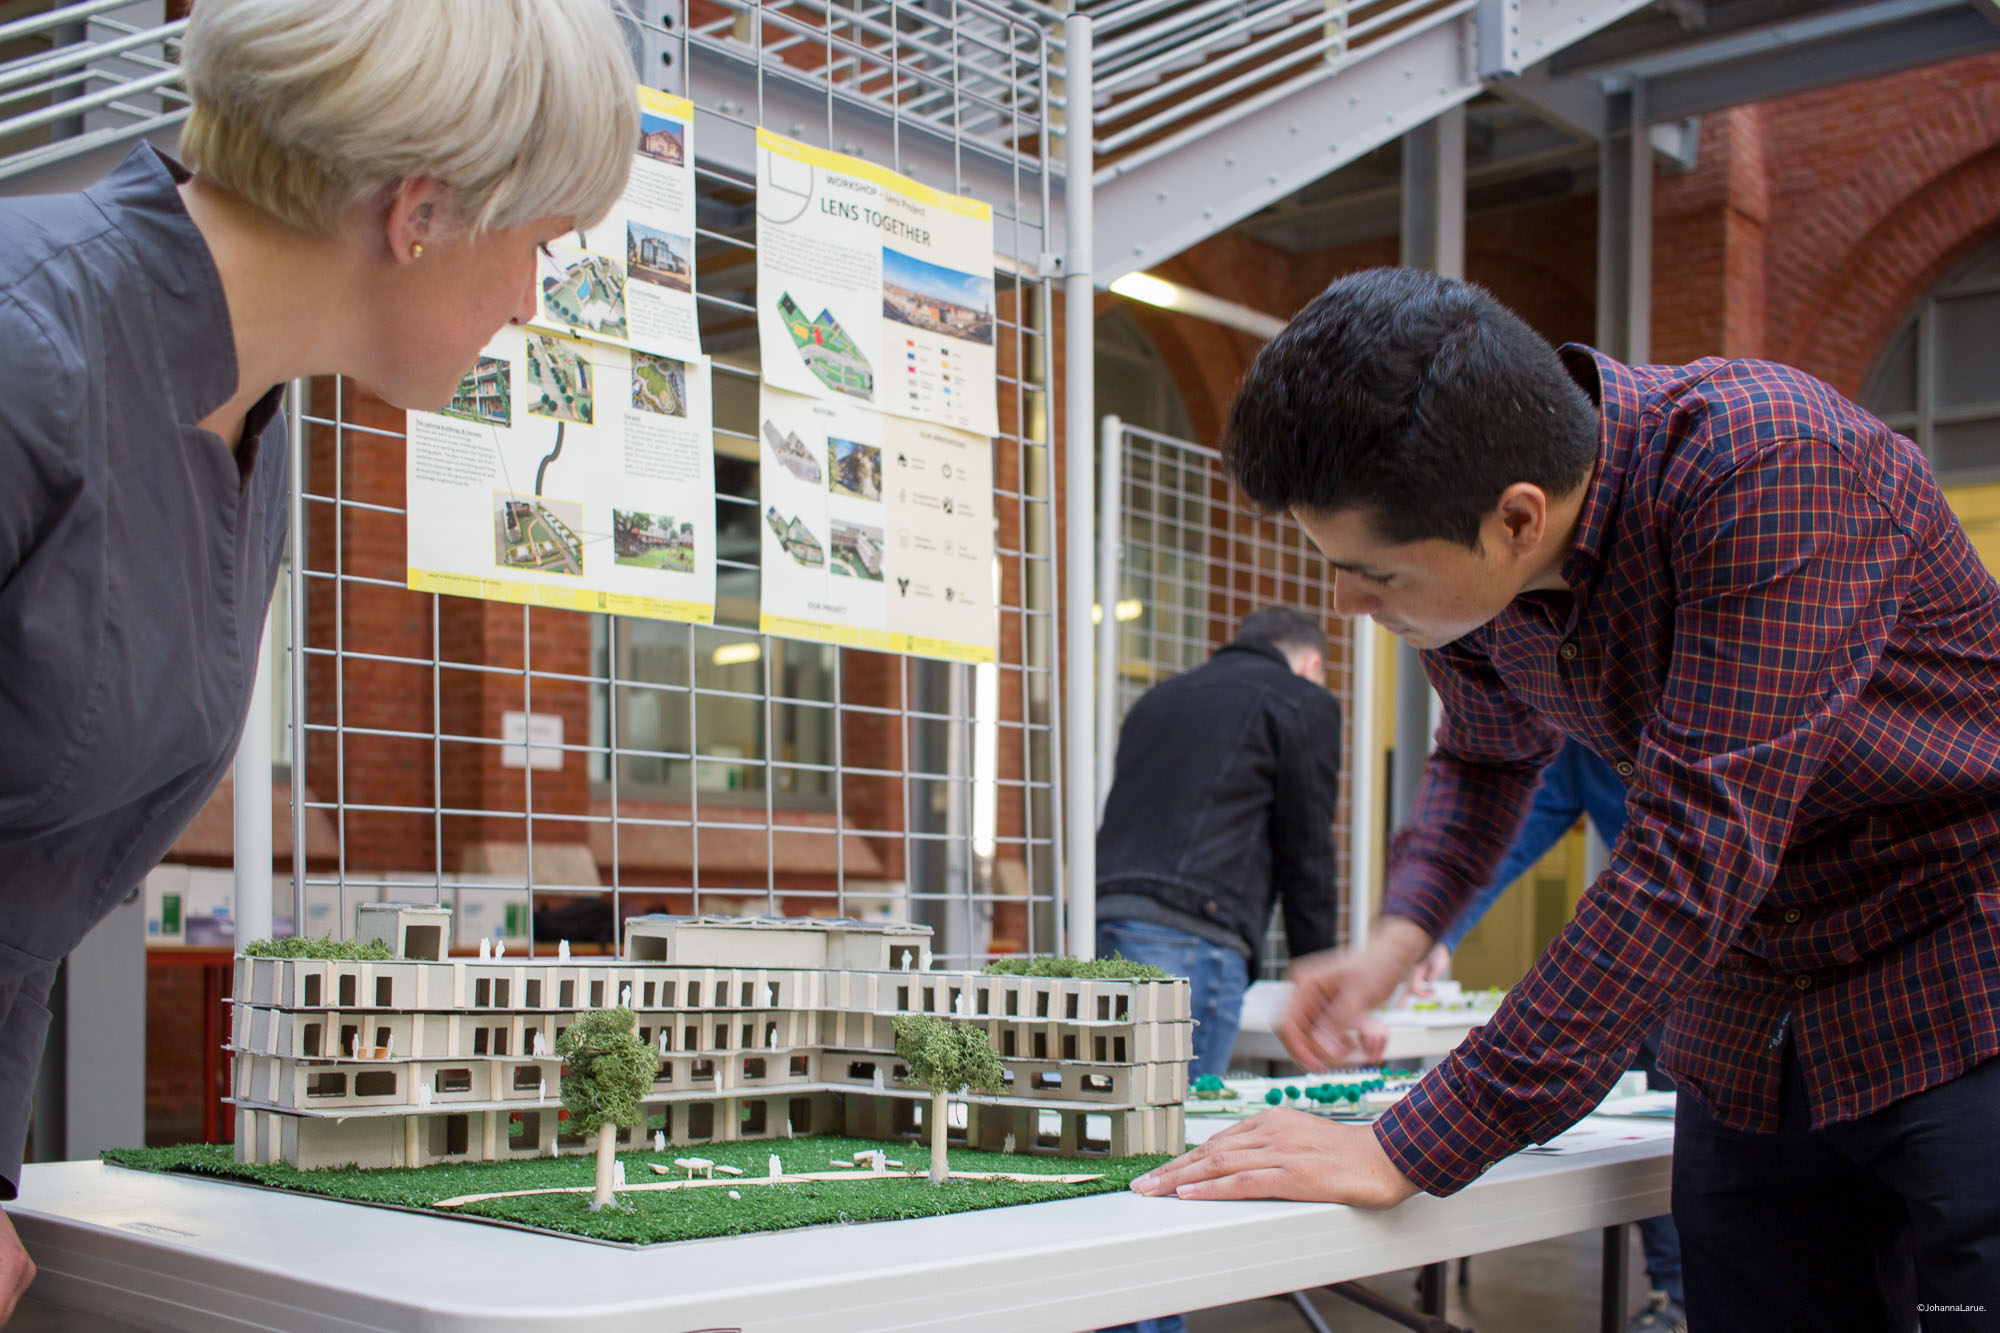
x=606, y=1070
x=945, y=1057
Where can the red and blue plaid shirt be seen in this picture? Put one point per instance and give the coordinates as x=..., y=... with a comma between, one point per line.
x=1782, y=640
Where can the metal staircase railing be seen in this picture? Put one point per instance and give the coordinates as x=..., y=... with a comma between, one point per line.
x=84, y=77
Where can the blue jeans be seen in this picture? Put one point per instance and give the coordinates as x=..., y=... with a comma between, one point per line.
x=1217, y=978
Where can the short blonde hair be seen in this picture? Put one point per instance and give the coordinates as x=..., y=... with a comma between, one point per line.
x=524, y=109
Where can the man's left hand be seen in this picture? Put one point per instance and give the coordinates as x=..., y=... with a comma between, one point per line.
x=1283, y=1154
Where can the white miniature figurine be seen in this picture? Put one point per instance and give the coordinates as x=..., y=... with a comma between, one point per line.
x=775, y=1168
x=617, y=1175
x=1007, y=1145
x=541, y=1044
x=391, y=1047
x=877, y=1160
x=542, y=1093
x=880, y=1086
x=499, y=948
x=959, y=1006
x=659, y=1140
x=485, y=947
x=663, y=1041
x=423, y=1094
x=562, y=950
x=625, y=995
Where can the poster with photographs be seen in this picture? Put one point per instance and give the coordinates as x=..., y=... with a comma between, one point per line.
x=874, y=289
x=878, y=531
x=629, y=279
x=568, y=473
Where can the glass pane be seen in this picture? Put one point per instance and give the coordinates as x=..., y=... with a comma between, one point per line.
x=1968, y=342
x=1967, y=447
x=1892, y=387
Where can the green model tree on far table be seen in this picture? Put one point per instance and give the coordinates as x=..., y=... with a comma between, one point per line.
x=945, y=1057
x=606, y=1070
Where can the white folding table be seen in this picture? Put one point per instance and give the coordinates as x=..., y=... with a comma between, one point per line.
x=179, y=1252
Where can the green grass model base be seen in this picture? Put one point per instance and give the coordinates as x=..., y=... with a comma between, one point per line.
x=641, y=1217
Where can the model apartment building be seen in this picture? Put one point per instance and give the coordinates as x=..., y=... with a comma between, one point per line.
x=764, y=1028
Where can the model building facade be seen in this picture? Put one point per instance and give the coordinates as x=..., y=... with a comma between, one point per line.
x=764, y=1028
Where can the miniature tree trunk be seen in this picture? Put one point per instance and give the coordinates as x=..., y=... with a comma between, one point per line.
x=945, y=1057
x=940, y=1168
x=607, y=1159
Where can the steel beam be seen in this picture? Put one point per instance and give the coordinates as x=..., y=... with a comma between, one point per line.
x=1625, y=232
x=1151, y=212
x=1515, y=34
x=1897, y=44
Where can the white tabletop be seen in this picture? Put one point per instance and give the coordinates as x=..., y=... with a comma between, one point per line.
x=183, y=1253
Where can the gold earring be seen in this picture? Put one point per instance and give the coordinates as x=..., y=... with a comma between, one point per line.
x=416, y=249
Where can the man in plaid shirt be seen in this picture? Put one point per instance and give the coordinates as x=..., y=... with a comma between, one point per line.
x=1751, y=598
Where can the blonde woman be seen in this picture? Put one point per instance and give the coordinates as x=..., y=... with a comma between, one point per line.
x=370, y=182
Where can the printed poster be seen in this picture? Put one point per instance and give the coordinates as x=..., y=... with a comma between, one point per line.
x=878, y=531
x=873, y=289
x=629, y=280
x=568, y=473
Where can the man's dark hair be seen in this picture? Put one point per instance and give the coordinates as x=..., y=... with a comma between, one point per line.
x=1412, y=398
x=1283, y=628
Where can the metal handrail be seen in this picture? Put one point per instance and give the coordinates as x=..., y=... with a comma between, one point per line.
x=56, y=18
x=81, y=54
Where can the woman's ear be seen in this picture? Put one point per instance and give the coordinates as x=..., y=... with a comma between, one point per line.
x=409, y=222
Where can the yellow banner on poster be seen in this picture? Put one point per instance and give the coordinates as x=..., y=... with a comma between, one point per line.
x=565, y=599
x=849, y=636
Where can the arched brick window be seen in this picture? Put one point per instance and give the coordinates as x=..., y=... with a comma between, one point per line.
x=1935, y=381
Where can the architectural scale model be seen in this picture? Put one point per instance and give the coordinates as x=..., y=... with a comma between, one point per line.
x=764, y=1028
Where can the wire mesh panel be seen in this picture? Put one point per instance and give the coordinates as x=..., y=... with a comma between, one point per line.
x=1195, y=559
x=547, y=772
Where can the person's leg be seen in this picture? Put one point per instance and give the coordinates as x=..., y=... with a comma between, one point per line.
x=1662, y=1247
x=1657, y=1237
x=1938, y=1152
x=1780, y=1233
x=1225, y=976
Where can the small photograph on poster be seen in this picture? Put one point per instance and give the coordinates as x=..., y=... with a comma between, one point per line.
x=795, y=538
x=652, y=541
x=535, y=532
x=791, y=453
x=834, y=358
x=857, y=550
x=662, y=138
x=485, y=394
x=854, y=469
x=559, y=378
x=930, y=296
x=582, y=291
x=659, y=257
x=659, y=385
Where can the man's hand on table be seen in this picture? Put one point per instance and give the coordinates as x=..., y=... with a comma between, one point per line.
x=1285, y=1154
x=17, y=1270
x=1328, y=1023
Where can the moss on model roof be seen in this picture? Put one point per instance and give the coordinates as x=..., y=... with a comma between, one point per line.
x=298, y=946
x=1114, y=968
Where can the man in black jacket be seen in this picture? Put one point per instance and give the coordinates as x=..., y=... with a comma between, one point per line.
x=1223, y=799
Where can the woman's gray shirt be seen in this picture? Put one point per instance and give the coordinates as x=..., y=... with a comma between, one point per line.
x=137, y=558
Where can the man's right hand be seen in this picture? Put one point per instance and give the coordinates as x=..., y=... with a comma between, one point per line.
x=1436, y=963
x=17, y=1270
x=1329, y=1022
